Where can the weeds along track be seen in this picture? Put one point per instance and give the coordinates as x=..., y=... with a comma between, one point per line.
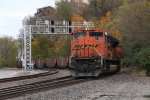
x=28, y=76
x=15, y=91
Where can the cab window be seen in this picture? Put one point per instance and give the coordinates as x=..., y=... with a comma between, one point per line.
x=96, y=34
x=80, y=34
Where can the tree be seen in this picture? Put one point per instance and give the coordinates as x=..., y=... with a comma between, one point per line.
x=63, y=10
x=40, y=47
x=99, y=8
x=134, y=25
x=142, y=59
x=65, y=51
x=20, y=43
x=78, y=6
x=62, y=46
x=77, y=17
x=109, y=24
x=133, y=17
x=93, y=9
x=29, y=20
x=8, y=52
x=111, y=5
x=45, y=13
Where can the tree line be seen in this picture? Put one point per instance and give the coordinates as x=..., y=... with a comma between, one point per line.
x=126, y=20
x=75, y=10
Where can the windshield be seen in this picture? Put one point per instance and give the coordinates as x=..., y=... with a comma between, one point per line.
x=97, y=34
x=81, y=34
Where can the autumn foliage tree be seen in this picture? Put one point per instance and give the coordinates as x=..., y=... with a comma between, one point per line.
x=77, y=17
x=109, y=24
x=45, y=47
x=8, y=51
x=40, y=47
x=63, y=10
x=62, y=46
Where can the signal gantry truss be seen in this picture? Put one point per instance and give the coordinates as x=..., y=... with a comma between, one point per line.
x=48, y=27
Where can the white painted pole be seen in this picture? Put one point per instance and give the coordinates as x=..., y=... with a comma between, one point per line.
x=24, y=60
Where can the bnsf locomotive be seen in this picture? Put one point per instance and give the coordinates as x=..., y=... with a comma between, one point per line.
x=93, y=53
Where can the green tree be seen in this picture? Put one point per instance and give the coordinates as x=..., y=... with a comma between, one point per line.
x=62, y=46
x=8, y=52
x=78, y=6
x=93, y=9
x=65, y=50
x=99, y=8
x=40, y=47
x=109, y=24
x=134, y=25
x=63, y=10
x=142, y=60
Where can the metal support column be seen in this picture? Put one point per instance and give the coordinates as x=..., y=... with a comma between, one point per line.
x=27, y=63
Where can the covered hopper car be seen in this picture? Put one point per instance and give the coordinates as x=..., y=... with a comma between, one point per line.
x=93, y=53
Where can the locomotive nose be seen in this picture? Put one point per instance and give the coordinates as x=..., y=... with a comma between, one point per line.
x=87, y=47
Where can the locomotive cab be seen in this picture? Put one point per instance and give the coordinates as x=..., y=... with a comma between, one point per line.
x=90, y=52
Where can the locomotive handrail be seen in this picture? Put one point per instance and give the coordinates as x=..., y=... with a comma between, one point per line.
x=97, y=51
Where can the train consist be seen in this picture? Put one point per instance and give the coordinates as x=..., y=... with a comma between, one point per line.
x=94, y=52
x=55, y=62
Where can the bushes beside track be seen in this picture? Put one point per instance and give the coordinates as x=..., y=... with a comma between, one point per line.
x=141, y=60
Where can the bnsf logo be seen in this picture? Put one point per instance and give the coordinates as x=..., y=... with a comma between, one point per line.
x=86, y=46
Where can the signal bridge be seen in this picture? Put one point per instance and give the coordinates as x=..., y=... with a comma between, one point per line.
x=48, y=27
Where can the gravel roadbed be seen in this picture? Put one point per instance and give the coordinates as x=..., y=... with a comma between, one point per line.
x=32, y=80
x=116, y=87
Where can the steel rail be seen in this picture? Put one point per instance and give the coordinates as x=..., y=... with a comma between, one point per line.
x=27, y=76
x=10, y=92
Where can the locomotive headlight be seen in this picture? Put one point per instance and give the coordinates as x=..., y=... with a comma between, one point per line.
x=73, y=59
x=82, y=46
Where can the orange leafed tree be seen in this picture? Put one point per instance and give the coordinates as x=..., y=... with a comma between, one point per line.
x=109, y=25
x=77, y=17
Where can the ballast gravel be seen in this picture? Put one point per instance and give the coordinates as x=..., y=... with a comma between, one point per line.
x=62, y=73
x=115, y=87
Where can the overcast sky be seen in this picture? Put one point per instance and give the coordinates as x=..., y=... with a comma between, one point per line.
x=12, y=12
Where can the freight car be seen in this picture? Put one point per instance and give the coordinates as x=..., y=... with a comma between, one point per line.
x=50, y=63
x=55, y=62
x=93, y=53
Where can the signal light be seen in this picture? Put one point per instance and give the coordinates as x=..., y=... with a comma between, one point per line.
x=70, y=23
x=52, y=22
x=52, y=30
x=70, y=30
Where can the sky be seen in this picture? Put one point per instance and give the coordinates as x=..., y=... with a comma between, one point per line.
x=12, y=12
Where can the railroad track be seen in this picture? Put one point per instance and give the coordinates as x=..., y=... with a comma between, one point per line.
x=15, y=91
x=28, y=76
